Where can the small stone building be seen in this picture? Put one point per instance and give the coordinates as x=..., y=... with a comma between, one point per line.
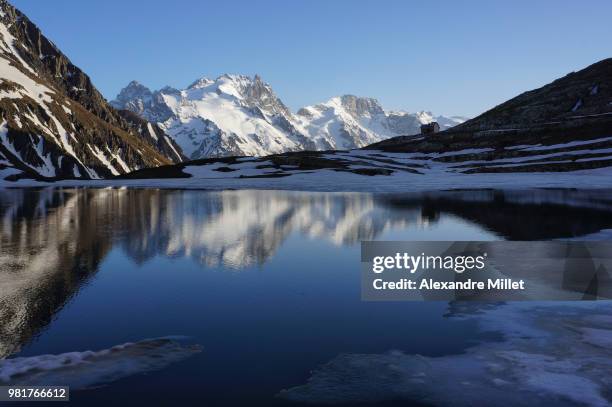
x=430, y=128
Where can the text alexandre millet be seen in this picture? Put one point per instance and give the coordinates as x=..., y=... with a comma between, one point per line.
x=457, y=264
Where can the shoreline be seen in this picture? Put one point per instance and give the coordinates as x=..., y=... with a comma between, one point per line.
x=331, y=181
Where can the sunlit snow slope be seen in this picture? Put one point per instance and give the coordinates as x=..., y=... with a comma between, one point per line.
x=242, y=116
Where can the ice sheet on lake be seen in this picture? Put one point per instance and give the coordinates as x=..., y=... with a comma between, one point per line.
x=552, y=354
x=94, y=368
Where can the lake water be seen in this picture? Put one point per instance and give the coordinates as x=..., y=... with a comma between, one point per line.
x=229, y=298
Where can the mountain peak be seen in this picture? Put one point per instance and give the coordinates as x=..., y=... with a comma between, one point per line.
x=142, y=101
x=133, y=88
x=238, y=81
x=235, y=78
x=200, y=83
x=360, y=106
x=241, y=115
x=133, y=91
x=169, y=89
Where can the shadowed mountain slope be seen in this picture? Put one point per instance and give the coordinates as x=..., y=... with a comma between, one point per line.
x=54, y=122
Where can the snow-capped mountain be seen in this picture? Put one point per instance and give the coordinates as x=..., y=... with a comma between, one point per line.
x=239, y=115
x=140, y=100
x=351, y=122
x=232, y=115
x=53, y=121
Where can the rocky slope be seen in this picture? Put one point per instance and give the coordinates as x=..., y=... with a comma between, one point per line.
x=587, y=92
x=242, y=116
x=54, y=123
x=153, y=134
x=563, y=126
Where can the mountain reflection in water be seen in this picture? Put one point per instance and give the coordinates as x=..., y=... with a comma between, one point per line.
x=53, y=240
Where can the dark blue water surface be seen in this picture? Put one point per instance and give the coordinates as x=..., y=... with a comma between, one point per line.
x=266, y=283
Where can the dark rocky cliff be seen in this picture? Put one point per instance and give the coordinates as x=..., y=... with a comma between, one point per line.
x=55, y=123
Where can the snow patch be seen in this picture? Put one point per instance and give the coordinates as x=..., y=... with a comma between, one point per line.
x=102, y=158
x=171, y=145
x=8, y=44
x=577, y=105
x=119, y=160
x=151, y=131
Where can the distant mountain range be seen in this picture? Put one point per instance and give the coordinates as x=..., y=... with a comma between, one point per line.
x=236, y=115
x=55, y=124
x=561, y=127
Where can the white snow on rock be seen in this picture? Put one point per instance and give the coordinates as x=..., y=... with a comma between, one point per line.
x=535, y=147
x=239, y=115
x=103, y=159
x=151, y=131
x=436, y=178
x=25, y=85
x=211, y=117
x=7, y=43
x=35, y=106
x=352, y=122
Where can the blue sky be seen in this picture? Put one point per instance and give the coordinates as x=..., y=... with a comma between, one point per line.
x=450, y=57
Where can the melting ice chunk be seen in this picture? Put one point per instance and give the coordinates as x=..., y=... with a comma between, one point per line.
x=552, y=354
x=87, y=369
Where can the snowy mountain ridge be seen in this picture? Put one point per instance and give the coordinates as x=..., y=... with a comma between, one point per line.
x=231, y=115
x=349, y=121
x=240, y=115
